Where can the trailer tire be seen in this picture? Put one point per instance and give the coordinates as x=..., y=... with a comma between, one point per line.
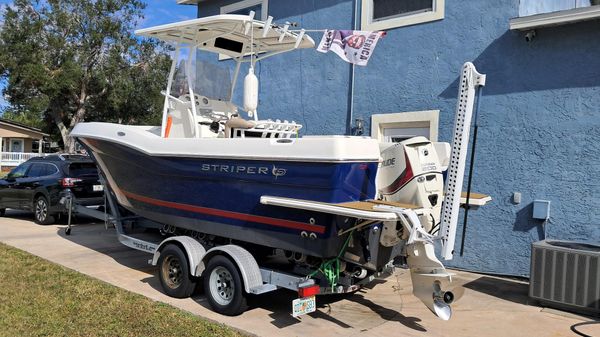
x=174, y=272
x=223, y=286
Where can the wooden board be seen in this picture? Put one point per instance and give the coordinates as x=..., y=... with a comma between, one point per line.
x=474, y=195
x=475, y=199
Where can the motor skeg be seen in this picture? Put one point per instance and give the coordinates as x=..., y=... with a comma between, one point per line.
x=411, y=173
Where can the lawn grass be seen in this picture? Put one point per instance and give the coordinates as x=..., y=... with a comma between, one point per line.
x=39, y=298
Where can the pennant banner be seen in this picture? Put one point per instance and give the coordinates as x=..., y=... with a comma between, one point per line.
x=353, y=46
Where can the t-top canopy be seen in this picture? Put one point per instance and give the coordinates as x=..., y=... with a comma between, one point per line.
x=230, y=35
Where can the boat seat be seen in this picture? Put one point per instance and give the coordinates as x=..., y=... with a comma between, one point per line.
x=237, y=123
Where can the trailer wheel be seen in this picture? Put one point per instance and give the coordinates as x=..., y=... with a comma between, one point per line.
x=174, y=272
x=223, y=286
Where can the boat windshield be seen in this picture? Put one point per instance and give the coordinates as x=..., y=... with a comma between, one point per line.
x=208, y=79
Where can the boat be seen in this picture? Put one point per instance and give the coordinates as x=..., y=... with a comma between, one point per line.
x=209, y=171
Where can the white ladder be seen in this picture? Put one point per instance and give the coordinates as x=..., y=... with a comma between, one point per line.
x=469, y=81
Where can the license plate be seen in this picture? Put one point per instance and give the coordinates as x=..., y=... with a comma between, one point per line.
x=302, y=306
x=98, y=188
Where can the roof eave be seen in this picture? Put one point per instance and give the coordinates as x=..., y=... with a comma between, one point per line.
x=23, y=127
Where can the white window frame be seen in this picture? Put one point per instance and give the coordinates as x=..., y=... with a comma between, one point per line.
x=247, y=4
x=413, y=119
x=367, y=22
x=567, y=16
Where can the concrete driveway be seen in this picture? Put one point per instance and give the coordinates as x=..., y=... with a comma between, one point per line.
x=491, y=306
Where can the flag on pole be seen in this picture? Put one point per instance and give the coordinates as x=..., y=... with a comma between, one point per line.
x=353, y=46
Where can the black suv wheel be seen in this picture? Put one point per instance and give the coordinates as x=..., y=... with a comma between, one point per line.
x=42, y=211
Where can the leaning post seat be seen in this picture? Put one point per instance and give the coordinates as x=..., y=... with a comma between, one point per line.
x=240, y=128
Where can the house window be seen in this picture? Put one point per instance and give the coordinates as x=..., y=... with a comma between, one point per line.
x=260, y=8
x=17, y=145
x=402, y=133
x=386, y=14
x=532, y=7
x=535, y=14
x=396, y=127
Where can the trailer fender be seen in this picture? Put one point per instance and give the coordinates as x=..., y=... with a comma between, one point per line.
x=245, y=262
x=193, y=249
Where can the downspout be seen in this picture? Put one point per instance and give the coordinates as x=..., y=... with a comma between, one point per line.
x=350, y=112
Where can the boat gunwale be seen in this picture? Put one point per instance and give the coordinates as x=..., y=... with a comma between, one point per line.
x=254, y=158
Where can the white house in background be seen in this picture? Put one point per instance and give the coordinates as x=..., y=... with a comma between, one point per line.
x=18, y=143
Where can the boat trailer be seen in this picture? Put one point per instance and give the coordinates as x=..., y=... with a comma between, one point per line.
x=257, y=279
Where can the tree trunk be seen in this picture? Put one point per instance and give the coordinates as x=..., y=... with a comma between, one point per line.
x=78, y=116
x=65, y=131
x=68, y=142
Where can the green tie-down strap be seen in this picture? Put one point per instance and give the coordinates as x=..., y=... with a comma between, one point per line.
x=331, y=268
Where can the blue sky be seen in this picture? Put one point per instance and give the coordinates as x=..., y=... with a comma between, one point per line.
x=165, y=11
x=158, y=12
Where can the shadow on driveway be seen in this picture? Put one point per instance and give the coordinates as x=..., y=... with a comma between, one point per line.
x=504, y=289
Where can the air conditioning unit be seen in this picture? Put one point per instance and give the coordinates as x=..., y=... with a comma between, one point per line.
x=566, y=275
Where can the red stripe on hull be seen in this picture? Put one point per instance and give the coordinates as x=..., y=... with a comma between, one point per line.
x=228, y=214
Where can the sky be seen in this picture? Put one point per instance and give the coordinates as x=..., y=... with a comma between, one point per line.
x=157, y=12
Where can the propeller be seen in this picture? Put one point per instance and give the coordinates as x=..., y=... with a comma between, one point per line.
x=442, y=310
x=441, y=301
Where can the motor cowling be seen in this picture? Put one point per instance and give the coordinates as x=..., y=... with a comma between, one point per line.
x=411, y=173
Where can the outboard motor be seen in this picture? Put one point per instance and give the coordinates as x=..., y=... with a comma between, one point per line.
x=411, y=173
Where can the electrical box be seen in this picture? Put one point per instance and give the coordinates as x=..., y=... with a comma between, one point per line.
x=516, y=197
x=541, y=209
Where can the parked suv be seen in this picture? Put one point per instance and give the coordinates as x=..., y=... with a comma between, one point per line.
x=38, y=184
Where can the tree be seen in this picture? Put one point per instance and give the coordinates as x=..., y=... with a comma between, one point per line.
x=66, y=61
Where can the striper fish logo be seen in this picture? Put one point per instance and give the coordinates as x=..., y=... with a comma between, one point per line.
x=278, y=172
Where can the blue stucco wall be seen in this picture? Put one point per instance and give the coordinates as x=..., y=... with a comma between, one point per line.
x=539, y=120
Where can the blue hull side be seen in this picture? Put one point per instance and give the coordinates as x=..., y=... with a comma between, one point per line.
x=222, y=197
